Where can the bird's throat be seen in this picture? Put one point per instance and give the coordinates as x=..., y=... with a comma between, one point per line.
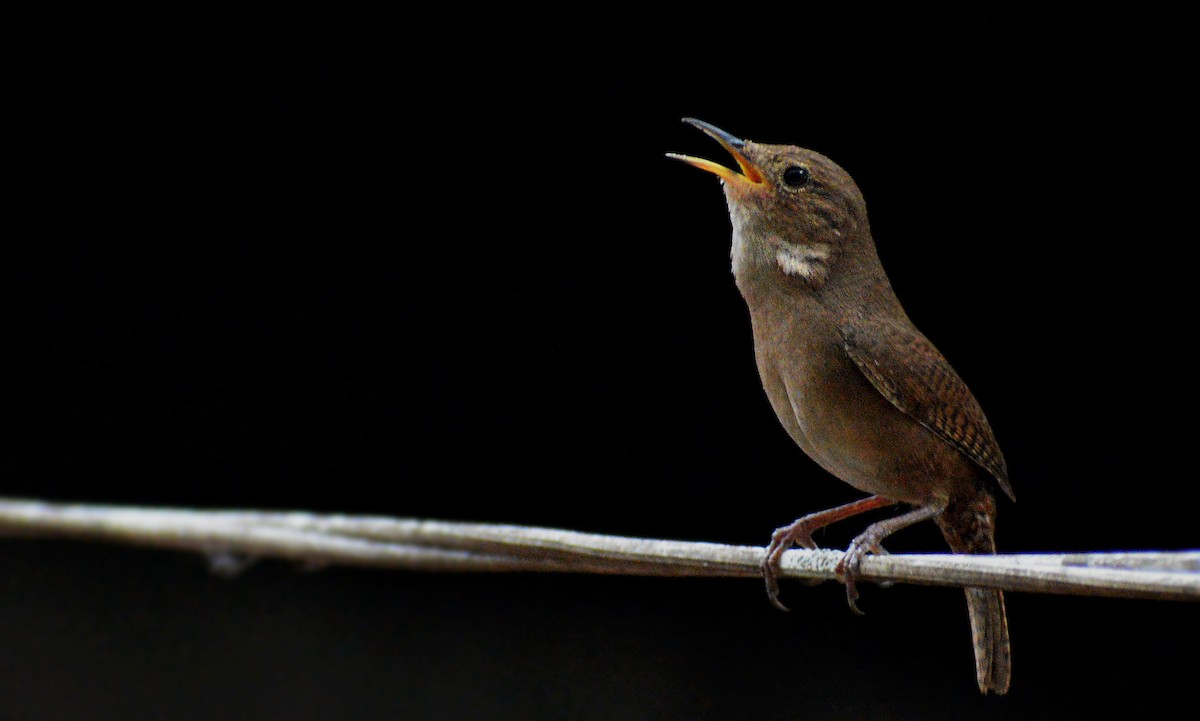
x=810, y=262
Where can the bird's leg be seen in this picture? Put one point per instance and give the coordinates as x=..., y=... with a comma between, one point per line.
x=799, y=533
x=868, y=542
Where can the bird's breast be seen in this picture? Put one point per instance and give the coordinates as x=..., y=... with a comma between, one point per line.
x=834, y=414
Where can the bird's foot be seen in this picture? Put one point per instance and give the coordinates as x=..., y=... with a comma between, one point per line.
x=798, y=533
x=868, y=542
x=847, y=568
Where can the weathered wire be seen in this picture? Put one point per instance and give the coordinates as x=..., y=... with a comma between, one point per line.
x=428, y=545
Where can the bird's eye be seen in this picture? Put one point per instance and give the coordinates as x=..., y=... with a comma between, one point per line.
x=796, y=176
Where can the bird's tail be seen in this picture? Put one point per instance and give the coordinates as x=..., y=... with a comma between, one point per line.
x=989, y=633
x=970, y=528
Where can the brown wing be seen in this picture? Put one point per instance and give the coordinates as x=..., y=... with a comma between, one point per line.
x=912, y=374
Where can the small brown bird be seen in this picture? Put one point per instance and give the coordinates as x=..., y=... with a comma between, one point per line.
x=850, y=377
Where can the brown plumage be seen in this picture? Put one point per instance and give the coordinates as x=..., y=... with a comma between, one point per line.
x=852, y=380
x=910, y=372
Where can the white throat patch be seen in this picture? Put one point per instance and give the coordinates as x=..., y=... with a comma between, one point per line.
x=806, y=261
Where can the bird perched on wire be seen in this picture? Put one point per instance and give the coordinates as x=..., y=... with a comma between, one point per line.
x=852, y=380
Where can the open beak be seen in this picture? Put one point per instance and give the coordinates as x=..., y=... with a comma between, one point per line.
x=731, y=143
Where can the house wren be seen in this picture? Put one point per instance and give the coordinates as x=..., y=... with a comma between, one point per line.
x=852, y=380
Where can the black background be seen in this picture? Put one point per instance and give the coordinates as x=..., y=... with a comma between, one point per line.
x=439, y=267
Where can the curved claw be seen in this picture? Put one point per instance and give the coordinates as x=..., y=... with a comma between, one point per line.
x=770, y=575
x=851, y=597
x=847, y=571
x=796, y=534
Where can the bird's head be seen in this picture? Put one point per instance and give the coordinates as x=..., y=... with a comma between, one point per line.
x=794, y=211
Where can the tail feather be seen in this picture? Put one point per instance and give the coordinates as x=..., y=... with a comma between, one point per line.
x=989, y=634
x=969, y=527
